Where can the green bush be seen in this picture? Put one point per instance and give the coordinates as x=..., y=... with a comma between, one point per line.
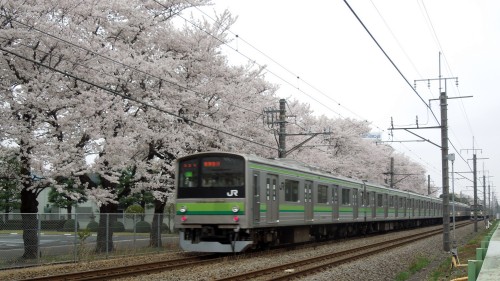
x=118, y=226
x=143, y=227
x=69, y=225
x=53, y=224
x=165, y=228
x=93, y=226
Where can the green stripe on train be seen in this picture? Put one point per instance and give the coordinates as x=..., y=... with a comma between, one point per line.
x=291, y=208
x=322, y=209
x=211, y=208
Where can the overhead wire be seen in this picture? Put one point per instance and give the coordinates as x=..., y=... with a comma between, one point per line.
x=438, y=43
x=131, y=98
x=281, y=66
x=401, y=74
x=390, y=60
x=186, y=88
x=295, y=75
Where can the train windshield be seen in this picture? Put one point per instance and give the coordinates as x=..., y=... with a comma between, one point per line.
x=211, y=176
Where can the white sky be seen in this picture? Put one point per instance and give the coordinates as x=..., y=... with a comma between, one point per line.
x=324, y=44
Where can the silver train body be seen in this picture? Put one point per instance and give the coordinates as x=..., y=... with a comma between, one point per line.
x=228, y=202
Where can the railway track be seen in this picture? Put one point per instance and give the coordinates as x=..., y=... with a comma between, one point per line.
x=282, y=272
x=130, y=270
x=295, y=270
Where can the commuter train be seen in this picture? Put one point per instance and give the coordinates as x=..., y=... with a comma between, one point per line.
x=230, y=202
x=477, y=213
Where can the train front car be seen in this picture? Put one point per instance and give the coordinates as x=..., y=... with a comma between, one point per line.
x=210, y=203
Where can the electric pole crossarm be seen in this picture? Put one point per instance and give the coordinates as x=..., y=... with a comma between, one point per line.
x=415, y=128
x=427, y=140
x=401, y=141
x=452, y=98
x=300, y=144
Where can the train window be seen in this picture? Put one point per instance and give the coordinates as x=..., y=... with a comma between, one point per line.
x=368, y=199
x=400, y=202
x=188, y=173
x=346, y=198
x=380, y=202
x=211, y=176
x=335, y=196
x=391, y=201
x=322, y=193
x=256, y=184
x=291, y=191
x=222, y=172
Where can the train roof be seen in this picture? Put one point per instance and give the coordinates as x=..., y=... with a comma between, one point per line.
x=300, y=166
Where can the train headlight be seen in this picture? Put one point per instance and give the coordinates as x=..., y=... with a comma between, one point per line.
x=183, y=209
x=236, y=219
x=235, y=209
x=183, y=218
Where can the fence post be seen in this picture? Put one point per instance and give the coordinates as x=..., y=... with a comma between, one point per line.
x=39, y=227
x=107, y=233
x=135, y=230
x=159, y=232
x=75, y=247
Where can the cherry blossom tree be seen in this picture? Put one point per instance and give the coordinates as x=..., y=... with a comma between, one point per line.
x=132, y=89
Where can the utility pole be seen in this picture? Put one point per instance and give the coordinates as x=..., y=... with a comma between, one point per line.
x=273, y=117
x=444, y=154
x=474, y=180
x=484, y=199
x=475, y=191
x=451, y=157
x=282, y=134
x=444, y=148
x=428, y=184
x=392, y=172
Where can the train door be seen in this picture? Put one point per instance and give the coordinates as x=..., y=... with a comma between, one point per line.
x=355, y=203
x=335, y=201
x=403, y=207
x=373, y=204
x=256, y=197
x=272, y=199
x=413, y=207
x=308, y=201
x=386, y=205
x=396, y=206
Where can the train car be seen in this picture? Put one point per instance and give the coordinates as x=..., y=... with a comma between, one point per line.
x=230, y=202
x=477, y=212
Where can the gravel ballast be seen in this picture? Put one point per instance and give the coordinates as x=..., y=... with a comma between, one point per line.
x=383, y=266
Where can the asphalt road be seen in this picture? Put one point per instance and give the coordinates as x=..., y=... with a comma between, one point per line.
x=12, y=244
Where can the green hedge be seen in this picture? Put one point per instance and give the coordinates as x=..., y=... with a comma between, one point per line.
x=143, y=227
x=118, y=226
x=93, y=226
x=69, y=225
x=55, y=225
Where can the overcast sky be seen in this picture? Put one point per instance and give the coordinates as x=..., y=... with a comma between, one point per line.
x=319, y=53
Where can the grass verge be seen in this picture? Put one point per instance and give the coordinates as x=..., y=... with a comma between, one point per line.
x=445, y=271
x=418, y=264
x=467, y=252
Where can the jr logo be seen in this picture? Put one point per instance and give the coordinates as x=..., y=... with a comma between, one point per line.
x=233, y=192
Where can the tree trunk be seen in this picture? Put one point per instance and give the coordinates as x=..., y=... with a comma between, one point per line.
x=29, y=205
x=107, y=218
x=68, y=209
x=155, y=234
x=29, y=210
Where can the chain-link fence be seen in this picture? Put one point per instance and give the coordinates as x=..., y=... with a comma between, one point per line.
x=31, y=239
